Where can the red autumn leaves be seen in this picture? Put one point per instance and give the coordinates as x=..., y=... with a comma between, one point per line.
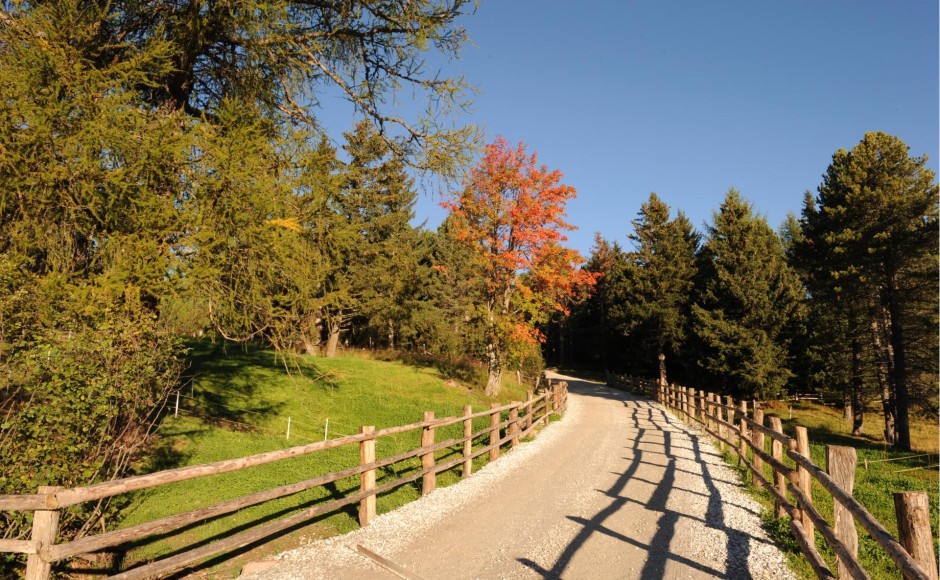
x=511, y=211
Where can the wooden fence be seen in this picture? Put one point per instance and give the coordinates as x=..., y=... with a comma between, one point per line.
x=747, y=436
x=43, y=551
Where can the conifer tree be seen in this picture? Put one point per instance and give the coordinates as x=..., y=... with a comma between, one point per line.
x=748, y=294
x=871, y=242
x=372, y=241
x=657, y=304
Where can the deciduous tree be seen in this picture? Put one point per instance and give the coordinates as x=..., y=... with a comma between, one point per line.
x=511, y=212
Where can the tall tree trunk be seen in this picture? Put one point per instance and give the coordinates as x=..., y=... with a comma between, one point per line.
x=883, y=365
x=391, y=336
x=334, y=328
x=310, y=333
x=857, y=403
x=494, y=377
x=898, y=373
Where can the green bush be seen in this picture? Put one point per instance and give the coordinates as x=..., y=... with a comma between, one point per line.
x=80, y=390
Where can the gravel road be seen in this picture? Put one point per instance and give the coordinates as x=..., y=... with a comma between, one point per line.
x=618, y=489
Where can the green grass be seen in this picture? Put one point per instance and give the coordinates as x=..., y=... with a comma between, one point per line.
x=238, y=403
x=874, y=486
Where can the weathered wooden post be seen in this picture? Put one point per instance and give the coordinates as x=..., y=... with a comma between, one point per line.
x=742, y=434
x=805, y=482
x=549, y=409
x=758, y=439
x=45, y=530
x=709, y=411
x=528, y=409
x=722, y=432
x=429, y=479
x=514, y=424
x=729, y=415
x=494, y=432
x=468, y=443
x=367, y=478
x=780, y=481
x=840, y=463
x=912, y=509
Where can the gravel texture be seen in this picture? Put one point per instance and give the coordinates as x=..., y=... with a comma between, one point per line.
x=618, y=489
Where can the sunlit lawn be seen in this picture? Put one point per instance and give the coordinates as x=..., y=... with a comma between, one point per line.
x=239, y=403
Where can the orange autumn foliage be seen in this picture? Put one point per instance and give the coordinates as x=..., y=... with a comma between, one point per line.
x=512, y=212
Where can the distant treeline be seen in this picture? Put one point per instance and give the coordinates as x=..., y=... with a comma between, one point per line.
x=843, y=301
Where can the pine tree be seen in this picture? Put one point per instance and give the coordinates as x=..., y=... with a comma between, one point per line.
x=871, y=240
x=748, y=295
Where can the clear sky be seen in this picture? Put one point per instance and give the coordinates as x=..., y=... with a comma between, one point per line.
x=688, y=98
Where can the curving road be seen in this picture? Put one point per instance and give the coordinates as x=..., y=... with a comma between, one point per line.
x=619, y=489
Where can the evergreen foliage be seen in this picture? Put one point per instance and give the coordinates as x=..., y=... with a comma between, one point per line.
x=871, y=251
x=656, y=303
x=748, y=295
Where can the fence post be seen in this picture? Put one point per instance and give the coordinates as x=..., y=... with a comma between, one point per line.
x=429, y=479
x=721, y=426
x=779, y=480
x=45, y=530
x=805, y=480
x=367, y=478
x=729, y=416
x=494, y=433
x=514, y=424
x=742, y=434
x=709, y=410
x=548, y=406
x=840, y=463
x=468, y=443
x=912, y=509
x=758, y=439
x=528, y=410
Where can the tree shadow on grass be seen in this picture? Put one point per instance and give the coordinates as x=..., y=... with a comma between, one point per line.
x=223, y=384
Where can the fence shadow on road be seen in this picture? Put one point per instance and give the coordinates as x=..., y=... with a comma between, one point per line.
x=658, y=440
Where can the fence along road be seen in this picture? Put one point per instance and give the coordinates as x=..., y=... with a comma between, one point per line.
x=618, y=489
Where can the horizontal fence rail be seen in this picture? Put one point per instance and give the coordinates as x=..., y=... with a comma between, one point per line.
x=746, y=437
x=522, y=418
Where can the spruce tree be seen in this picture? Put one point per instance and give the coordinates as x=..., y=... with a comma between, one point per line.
x=656, y=307
x=748, y=294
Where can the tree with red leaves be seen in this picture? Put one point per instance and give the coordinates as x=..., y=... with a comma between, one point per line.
x=511, y=212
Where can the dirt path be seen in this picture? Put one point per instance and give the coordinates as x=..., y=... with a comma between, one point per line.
x=618, y=489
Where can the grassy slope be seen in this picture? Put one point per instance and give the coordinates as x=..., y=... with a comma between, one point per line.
x=238, y=405
x=873, y=486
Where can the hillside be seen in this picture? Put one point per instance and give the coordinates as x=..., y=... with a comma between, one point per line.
x=238, y=402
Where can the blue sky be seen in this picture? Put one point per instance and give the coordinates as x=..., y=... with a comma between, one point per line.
x=689, y=98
